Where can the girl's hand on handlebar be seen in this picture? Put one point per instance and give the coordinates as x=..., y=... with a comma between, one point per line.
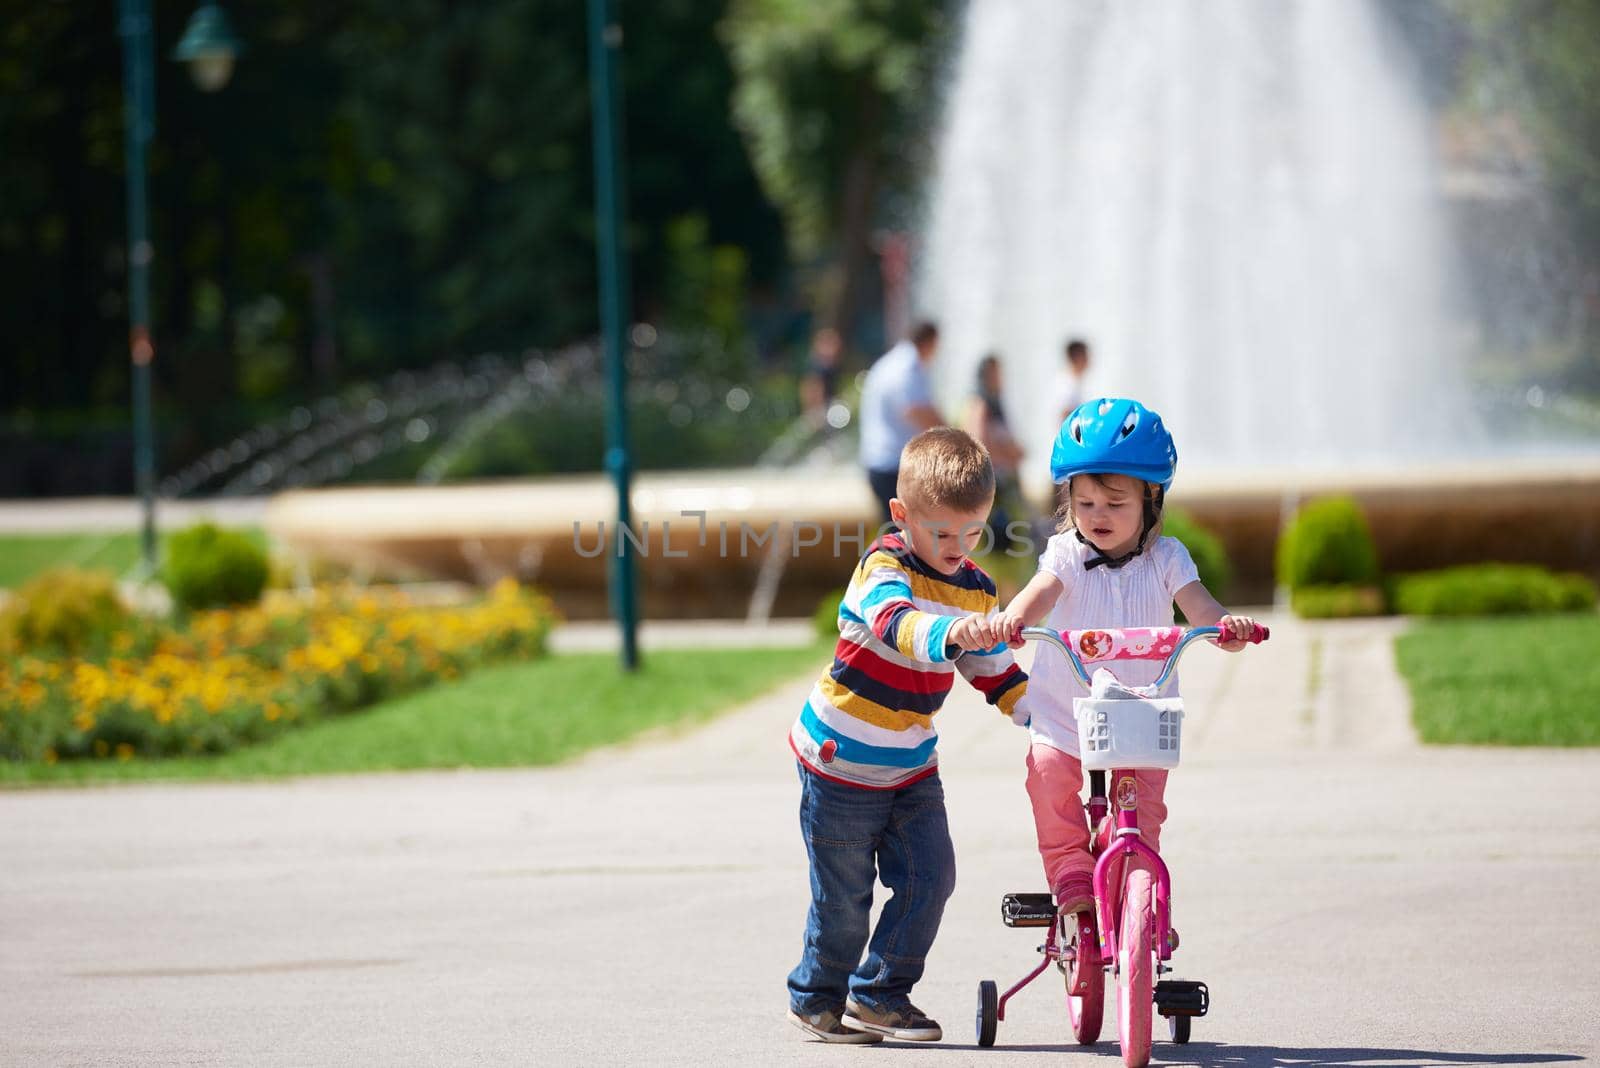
x=1005, y=628
x=1240, y=627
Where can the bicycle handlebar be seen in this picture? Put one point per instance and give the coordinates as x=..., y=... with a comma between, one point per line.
x=1144, y=643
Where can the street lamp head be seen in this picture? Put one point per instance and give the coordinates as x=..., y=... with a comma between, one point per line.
x=209, y=47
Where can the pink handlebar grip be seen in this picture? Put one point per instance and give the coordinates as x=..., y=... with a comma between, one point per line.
x=1258, y=634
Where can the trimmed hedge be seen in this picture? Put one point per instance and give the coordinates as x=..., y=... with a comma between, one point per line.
x=826, y=618
x=1327, y=543
x=1210, y=558
x=208, y=567
x=1337, y=602
x=1490, y=590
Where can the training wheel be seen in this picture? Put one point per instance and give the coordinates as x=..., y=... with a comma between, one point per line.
x=1178, y=1027
x=988, y=1011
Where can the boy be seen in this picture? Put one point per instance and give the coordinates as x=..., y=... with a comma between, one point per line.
x=870, y=798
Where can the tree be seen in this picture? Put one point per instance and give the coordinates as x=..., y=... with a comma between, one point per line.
x=833, y=97
x=382, y=185
x=1544, y=57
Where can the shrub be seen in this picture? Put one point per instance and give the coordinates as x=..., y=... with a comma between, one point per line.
x=62, y=611
x=1337, y=602
x=1492, y=589
x=1210, y=558
x=208, y=567
x=826, y=617
x=1327, y=543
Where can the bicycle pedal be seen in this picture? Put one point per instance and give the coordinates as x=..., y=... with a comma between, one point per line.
x=1182, y=997
x=1028, y=910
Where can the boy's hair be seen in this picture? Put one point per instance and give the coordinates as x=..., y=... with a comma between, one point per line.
x=1153, y=499
x=1077, y=348
x=946, y=468
x=924, y=333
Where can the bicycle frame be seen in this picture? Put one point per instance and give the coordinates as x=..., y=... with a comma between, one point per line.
x=1095, y=949
x=1127, y=843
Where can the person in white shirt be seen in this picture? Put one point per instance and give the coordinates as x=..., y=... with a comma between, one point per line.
x=896, y=406
x=1072, y=387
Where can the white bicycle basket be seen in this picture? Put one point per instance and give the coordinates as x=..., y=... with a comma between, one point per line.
x=1143, y=732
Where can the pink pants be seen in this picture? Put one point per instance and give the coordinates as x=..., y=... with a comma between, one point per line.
x=1055, y=781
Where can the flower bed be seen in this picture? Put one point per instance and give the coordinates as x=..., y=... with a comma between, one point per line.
x=231, y=677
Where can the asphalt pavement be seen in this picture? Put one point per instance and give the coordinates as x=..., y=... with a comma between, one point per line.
x=1350, y=897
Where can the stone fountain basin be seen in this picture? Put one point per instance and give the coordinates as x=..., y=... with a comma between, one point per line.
x=815, y=524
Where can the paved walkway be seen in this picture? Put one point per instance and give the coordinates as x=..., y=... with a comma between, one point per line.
x=77, y=515
x=1351, y=898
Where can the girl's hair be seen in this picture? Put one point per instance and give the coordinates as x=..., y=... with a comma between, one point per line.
x=1152, y=498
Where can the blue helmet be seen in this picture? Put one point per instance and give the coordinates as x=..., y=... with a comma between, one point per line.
x=1114, y=436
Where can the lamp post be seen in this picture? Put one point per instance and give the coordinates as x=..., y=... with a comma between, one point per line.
x=210, y=45
x=605, y=38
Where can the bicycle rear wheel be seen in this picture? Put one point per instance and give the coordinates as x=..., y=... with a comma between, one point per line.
x=1087, y=1007
x=1136, y=966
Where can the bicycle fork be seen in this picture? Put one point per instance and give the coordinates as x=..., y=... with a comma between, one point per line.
x=1117, y=850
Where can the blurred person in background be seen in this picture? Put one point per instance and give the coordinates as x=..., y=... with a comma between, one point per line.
x=896, y=406
x=1073, y=391
x=820, y=383
x=985, y=420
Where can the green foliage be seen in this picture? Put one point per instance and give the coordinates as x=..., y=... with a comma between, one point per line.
x=1337, y=601
x=432, y=197
x=705, y=287
x=1491, y=590
x=833, y=99
x=65, y=611
x=1327, y=543
x=820, y=84
x=1210, y=556
x=826, y=618
x=1547, y=56
x=208, y=567
x=1529, y=681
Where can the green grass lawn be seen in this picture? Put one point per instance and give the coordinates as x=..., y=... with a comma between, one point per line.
x=23, y=556
x=1506, y=681
x=541, y=712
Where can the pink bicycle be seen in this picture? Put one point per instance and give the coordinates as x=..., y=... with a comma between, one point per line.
x=1130, y=929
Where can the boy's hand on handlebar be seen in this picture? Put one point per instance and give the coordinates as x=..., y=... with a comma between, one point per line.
x=969, y=633
x=1240, y=627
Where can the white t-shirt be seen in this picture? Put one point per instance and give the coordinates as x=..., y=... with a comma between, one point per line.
x=1138, y=594
x=897, y=381
x=1069, y=395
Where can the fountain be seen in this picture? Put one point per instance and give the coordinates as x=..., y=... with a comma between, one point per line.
x=1238, y=202
x=1235, y=200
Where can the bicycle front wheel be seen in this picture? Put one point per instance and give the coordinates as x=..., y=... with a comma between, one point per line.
x=1136, y=966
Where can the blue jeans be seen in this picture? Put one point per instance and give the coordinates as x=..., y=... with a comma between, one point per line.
x=854, y=835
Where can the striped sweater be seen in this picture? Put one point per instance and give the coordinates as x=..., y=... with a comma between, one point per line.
x=869, y=720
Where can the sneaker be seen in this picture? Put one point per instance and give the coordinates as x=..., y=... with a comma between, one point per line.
x=824, y=1026
x=909, y=1024
x=1074, y=895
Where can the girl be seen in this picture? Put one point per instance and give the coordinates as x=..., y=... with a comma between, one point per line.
x=1107, y=566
